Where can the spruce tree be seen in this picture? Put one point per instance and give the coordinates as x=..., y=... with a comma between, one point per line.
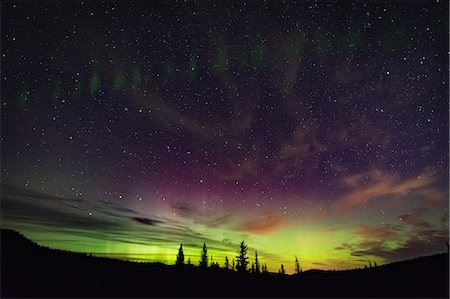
x=204, y=257
x=242, y=258
x=298, y=270
x=257, y=270
x=282, y=270
x=180, y=257
x=213, y=263
x=227, y=263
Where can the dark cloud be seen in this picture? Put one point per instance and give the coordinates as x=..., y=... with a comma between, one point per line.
x=146, y=221
x=416, y=246
x=29, y=211
x=423, y=238
x=200, y=217
x=407, y=218
x=343, y=246
x=226, y=241
x=28, y=206
x=183, y=209
x=416, y=235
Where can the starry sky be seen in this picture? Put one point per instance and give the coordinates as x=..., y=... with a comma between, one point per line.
x=318, y=130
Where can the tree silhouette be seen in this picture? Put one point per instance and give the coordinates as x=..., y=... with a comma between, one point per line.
x=189, y=261
x=204, y=257
x=180, y=257
x=232, y=265
x=264, y=268
x=242, y=258
x=282, y=270
x=227, y=263
x=298, y=270
x=257, y=270
x=213, y=263
x=252, y=269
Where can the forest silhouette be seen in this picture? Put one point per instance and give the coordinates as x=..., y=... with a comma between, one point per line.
x=30, y=270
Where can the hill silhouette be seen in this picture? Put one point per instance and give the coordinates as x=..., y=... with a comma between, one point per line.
x=29, y=270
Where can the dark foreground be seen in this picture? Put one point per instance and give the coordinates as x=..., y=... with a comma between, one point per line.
x=28, y=270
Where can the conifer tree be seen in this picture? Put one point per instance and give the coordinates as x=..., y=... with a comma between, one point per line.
x=298, y=270
x=204, y=257
x=252, y=269
x=213, y=263
x=232, y=266
x=189, y=261
x=242, y=258
x=257, y=270
x=227, y=263
x=282, y=270
x=180, y=256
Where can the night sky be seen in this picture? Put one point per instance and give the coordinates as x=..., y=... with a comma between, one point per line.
x=318, y=130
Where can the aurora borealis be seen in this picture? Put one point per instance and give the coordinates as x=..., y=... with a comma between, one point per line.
x=318, y=130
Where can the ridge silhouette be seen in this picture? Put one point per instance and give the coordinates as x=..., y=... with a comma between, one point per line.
x=30, y=270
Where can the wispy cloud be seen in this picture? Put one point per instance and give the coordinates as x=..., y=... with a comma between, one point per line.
x=266, y=224
x=239, y=170
x=48, y=218
x=384, y=232
x=413, y=237
x=414, y=247
x=376, y=183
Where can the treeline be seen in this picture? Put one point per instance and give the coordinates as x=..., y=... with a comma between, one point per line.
x=239, y=263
